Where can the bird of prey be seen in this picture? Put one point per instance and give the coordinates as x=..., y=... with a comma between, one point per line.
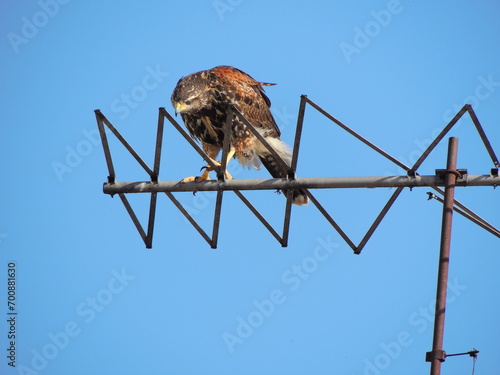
x=204, y=98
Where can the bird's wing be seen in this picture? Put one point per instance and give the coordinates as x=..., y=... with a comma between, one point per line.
x=248, y=97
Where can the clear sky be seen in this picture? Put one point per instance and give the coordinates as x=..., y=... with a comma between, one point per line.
x=91, y=299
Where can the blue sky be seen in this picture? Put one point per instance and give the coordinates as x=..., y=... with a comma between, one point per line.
x=92, y=299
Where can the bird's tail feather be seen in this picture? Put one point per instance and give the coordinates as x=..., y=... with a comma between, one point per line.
x=278, y=171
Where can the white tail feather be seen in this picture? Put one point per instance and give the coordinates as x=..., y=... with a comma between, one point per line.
x=253, y=160
x=281, y=148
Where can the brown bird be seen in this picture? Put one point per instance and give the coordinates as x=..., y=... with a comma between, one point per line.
x=203, y=100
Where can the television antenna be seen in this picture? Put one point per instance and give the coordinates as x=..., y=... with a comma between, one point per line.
x=449, y=178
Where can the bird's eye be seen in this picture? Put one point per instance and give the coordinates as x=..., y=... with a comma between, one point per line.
x=188, y=102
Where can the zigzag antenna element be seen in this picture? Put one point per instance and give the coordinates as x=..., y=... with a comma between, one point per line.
x=103, y=121
x=412, y=171
x=412, y=179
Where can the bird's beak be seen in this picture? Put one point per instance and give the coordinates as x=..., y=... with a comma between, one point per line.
x=179, y=107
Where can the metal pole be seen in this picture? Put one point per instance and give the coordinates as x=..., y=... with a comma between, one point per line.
x=438, y=355
x=298, y=183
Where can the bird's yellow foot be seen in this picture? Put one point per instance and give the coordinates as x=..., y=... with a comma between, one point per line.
x=195, y=178
x=208, y=168
x=205, y=176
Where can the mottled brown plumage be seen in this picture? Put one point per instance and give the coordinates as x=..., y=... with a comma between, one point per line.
x=203, y=100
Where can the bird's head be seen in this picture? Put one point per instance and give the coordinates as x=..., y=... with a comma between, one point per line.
x=190, y=94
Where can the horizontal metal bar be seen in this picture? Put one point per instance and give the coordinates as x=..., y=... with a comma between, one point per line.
x=298, y=183
x=472, y=353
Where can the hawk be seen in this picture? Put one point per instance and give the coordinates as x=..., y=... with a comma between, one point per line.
x=203, y=99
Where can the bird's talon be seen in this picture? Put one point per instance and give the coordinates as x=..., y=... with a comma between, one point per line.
x=201, y=178
x=188, y=179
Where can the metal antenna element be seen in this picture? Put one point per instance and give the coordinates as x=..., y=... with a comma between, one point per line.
x=410, y=180
x=473, y=353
